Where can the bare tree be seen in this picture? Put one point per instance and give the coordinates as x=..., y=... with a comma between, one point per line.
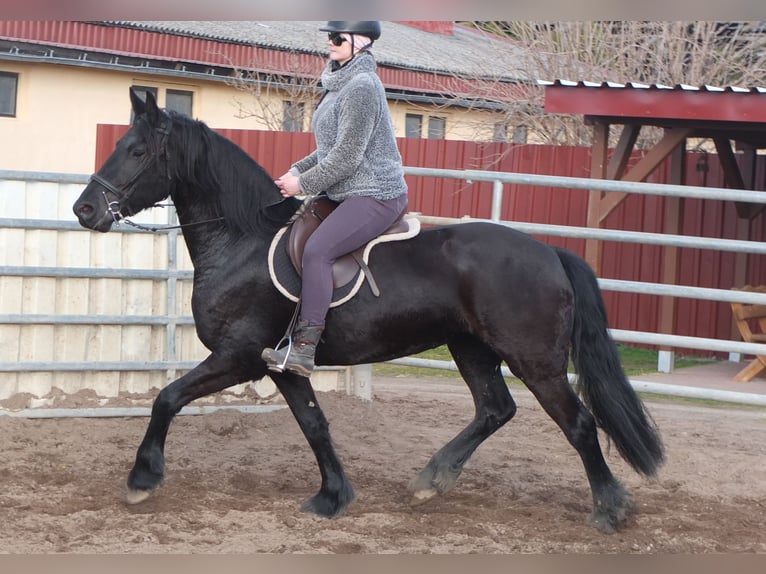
x=695, y=53
x=280, y=101
x=669, y=53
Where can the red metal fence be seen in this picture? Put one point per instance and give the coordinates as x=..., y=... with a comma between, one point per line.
x=276, y=151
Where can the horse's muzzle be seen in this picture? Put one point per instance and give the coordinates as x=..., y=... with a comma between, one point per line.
x=92, y=216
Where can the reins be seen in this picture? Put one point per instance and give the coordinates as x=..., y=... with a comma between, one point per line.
x=155, y=229
x=180, y=226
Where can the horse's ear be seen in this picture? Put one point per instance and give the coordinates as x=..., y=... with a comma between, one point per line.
x=139, y=107
x=152, y=110
x=148, y=107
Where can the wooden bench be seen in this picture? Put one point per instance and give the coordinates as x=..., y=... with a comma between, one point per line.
x=751, y=323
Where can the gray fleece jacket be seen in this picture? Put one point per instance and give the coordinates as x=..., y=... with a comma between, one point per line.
x=356, y=151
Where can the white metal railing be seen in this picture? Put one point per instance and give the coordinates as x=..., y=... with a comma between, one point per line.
x=713, y=193
x=722, y=395
x=736, y=245
x=168, y=272
x=687, y=291
x=499, y=179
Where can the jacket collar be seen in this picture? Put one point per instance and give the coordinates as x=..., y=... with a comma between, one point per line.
x=335, y=80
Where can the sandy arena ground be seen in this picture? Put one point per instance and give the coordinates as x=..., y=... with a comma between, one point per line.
x=234, y=482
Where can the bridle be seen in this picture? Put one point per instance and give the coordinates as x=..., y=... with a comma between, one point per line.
x=114, y=208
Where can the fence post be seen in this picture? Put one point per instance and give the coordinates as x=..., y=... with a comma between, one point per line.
x=666, y=361
x=497, y=200
x=360, y=382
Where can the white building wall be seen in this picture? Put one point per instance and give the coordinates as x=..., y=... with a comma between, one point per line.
x=60, y=105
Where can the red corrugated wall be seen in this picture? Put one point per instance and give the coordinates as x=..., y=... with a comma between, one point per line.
x=275, y=151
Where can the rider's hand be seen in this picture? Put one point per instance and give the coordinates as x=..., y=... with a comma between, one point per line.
x=288, y=185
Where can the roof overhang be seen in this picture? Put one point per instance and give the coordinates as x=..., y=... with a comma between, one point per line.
x=733, y=113
x=653, y=102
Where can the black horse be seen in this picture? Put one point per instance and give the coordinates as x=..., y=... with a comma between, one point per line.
x=491, y=294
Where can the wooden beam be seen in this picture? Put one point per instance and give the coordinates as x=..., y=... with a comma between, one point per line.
x=621, y=155
x=670, y=141
x=748, y=171
x=674, y=214
x=734, y=178
x=746, y=211
x=741, y=259
x=598, y=167
x=728, y=160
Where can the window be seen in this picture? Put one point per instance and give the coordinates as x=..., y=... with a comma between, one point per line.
x=520, y=134
x=436, y=128
x=179, y=101
x=141, y=91
x=500, y=132
x=8, y=85
x=413, y=125
x=292, y=116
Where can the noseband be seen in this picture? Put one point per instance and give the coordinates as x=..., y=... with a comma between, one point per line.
x=114, y=208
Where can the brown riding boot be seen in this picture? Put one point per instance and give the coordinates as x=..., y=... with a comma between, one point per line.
x=299, y=358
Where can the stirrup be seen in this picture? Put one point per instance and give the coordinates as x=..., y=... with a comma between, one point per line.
x=280, y=367
x=288, y=338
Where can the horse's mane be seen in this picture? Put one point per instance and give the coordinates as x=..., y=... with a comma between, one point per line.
x=245, y=193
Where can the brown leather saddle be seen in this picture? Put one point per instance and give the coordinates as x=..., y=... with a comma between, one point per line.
x=345, y=268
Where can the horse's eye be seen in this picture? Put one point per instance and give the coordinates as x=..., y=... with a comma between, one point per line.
x=138, y=151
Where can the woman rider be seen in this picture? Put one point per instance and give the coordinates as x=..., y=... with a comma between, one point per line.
x=357, y=164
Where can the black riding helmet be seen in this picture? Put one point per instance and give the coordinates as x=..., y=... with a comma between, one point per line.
x=369, y=28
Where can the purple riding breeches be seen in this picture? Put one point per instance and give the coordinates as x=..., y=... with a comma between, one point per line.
x=354, y=222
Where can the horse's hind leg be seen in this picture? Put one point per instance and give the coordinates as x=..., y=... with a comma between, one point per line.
x=611, y=502
x=213, y=374
x=480, y=368
x=336, y=492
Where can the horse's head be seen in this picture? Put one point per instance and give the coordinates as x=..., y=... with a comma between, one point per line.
x=135, y=176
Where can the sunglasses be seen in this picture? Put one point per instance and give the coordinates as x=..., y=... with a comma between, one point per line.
x=336, y=38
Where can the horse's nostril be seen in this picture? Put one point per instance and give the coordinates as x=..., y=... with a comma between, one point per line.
x=85, y=209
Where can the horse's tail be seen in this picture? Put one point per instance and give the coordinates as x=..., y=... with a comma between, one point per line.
x=603, y=385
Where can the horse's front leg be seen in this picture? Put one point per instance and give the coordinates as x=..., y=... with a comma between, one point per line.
x=213, y=374
x=336, y=492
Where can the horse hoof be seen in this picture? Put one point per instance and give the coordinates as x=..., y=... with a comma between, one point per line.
x=422, y=496
x=603, y=523
x=134, y=496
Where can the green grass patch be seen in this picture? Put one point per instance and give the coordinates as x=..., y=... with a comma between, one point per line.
x=437, y=354
x=635, y=361
x=640, y=361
